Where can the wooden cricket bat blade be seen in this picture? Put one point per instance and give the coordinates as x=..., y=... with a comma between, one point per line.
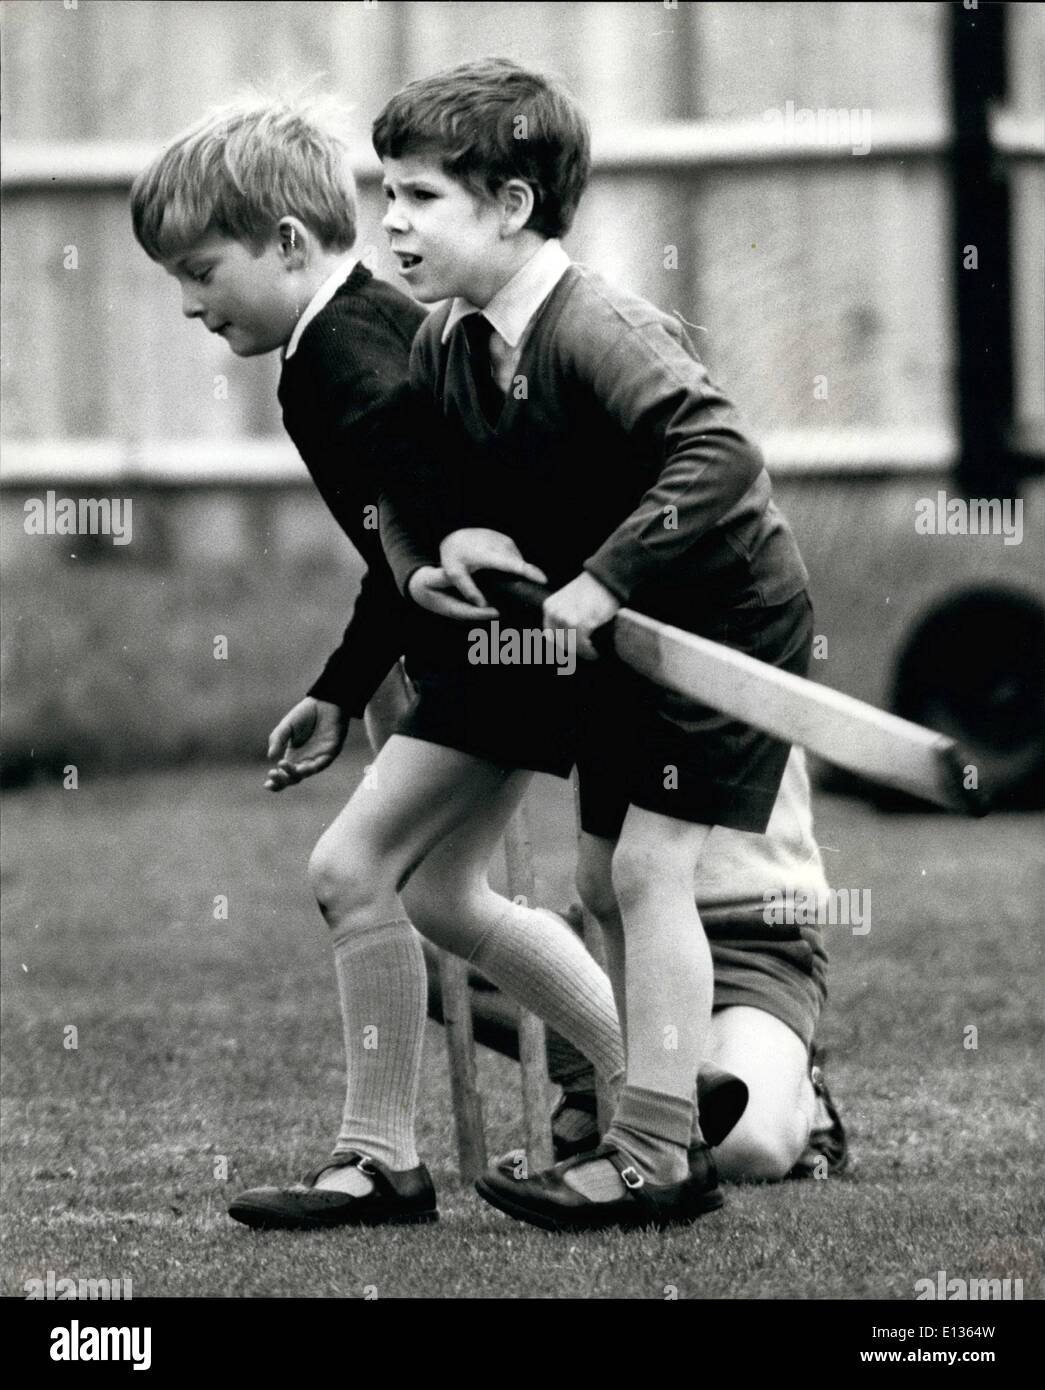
x=843, y=730
x=837, y=727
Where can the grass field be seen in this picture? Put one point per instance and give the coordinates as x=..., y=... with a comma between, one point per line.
x=202, y=1040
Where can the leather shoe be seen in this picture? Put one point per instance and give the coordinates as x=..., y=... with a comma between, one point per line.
x=548, y=1201
x=405, y=1198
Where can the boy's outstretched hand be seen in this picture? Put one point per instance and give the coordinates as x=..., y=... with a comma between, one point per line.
x=304, y=742
x=449, y=589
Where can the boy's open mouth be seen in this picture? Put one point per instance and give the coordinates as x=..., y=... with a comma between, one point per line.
x=406, y=261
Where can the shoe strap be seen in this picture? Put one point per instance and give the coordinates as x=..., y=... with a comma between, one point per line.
x=371, y=1167
x=630, y=1176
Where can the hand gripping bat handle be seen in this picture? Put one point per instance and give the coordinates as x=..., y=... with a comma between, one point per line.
x=521, y=601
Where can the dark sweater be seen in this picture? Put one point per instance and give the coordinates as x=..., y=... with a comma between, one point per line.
x=623, y=458
x=347, y=406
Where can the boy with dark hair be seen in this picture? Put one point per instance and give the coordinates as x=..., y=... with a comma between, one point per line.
x=607, y=459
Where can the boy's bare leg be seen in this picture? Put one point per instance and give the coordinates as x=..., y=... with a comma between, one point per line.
x=750, y=1043
x=668, y=987
x=389, y=703
x=596, y=891
x=527, y=953
x=772, y=1133
x=414, y=794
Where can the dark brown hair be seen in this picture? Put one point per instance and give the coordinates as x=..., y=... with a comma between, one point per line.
x=491, y=121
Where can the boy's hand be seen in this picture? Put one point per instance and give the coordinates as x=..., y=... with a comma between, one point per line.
x=583, y=605
x=478, y=548
x=315, y=730
x=430, y=587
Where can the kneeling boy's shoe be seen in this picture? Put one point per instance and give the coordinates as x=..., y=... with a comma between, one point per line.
x=548, y=1201
x=827, y=1150
x=406, y=1198
x=721, y=1099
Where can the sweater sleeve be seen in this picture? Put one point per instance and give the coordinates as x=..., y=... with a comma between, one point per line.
x=358, y=370
x=402, y=544
x=373, y=641
x=656, y=389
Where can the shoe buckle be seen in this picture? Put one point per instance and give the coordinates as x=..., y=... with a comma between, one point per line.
x=632, y=1178
x=364, y=1167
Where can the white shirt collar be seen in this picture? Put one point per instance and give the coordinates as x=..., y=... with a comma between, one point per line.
x=320, y=300
x=515, y=303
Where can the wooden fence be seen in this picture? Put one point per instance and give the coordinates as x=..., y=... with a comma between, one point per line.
x=815, y=275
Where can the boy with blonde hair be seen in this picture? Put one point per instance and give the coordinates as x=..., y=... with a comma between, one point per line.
x=252, y=211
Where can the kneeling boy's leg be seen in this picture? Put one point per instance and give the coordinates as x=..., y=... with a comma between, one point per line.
x=774, y=1062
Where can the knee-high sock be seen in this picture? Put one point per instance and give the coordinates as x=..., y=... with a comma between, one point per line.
x=535, y=957
x=383, y=988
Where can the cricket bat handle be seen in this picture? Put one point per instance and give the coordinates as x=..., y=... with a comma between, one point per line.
x=521, y=596
x=522, y=601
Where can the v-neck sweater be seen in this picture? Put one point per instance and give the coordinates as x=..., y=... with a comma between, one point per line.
x=614, y=452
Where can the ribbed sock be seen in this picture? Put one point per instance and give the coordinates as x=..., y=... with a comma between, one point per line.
x=653, y=1129
x=533, y=956
x=383, y=988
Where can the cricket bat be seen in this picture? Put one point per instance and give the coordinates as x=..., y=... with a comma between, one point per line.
x=842, y=730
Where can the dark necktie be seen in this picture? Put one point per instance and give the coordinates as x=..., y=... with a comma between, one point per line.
x=477, y=330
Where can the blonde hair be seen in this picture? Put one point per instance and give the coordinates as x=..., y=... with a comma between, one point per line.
x=243, y=167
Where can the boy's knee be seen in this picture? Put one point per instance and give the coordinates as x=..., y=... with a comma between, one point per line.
x=450, y=914
x=336, y=886
x=634, y=873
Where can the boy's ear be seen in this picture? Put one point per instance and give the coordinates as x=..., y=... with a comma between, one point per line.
x=295, y=242
x=517, y=201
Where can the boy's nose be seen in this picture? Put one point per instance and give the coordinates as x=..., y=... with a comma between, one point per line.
x=393, y=220
x=190, y=304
